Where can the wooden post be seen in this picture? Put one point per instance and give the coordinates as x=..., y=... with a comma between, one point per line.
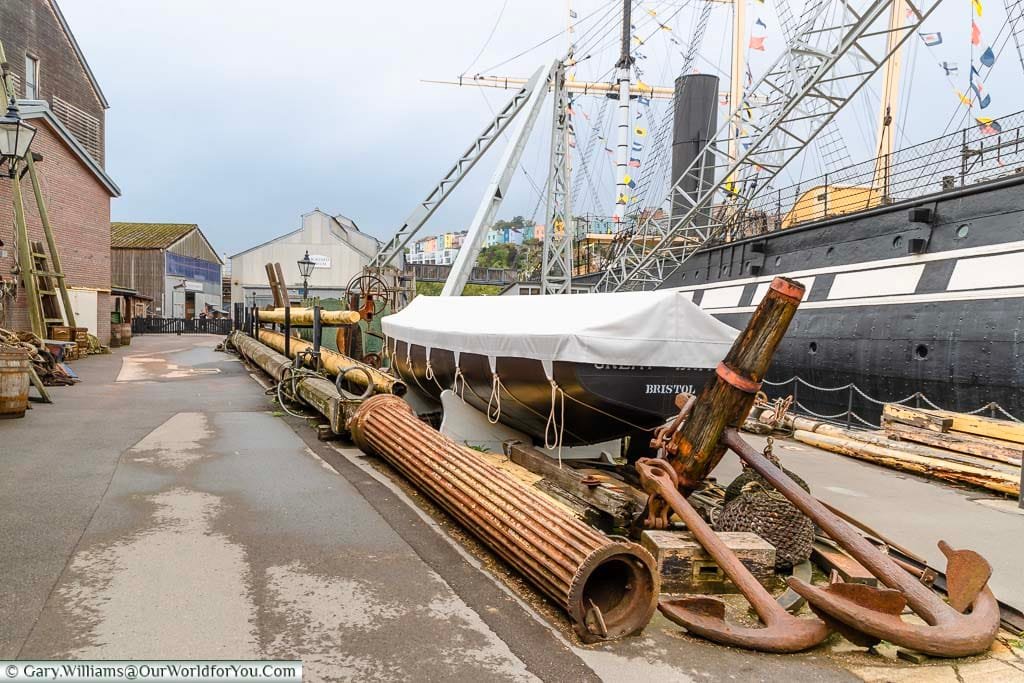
x=727, y=398
x=25, y=260
x=51, y=244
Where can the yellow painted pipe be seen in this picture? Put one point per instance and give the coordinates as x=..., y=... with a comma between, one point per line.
x=333, y=362
x=304, y=316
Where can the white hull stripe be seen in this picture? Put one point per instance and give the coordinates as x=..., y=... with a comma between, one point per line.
x=1003, y=293
x=1006, y=248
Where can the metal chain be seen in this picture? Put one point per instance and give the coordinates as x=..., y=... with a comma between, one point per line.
x=992, y=406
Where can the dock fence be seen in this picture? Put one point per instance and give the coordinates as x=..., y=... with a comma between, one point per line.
x=181, y=326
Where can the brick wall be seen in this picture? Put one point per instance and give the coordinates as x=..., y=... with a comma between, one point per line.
x=79, y=210
x=31, y=26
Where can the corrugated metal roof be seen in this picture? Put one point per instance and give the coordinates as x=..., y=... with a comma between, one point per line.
x=148, y=235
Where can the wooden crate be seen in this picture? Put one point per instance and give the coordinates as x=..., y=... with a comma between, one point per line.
x=82, y=337
x=686, y=568
x=61, y=333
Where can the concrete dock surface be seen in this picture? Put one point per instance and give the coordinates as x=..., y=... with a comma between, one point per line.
x=164, y=509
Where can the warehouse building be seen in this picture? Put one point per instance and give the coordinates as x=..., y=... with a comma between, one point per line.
x=172, y=264
x=334, y=243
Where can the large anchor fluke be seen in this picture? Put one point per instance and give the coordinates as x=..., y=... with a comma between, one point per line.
x=872, y=612
x=967, y=574
x=705, y=616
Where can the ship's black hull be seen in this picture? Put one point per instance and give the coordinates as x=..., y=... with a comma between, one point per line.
x=893, y=306
x=603, y=402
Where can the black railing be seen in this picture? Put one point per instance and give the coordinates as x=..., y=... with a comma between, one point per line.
x=181, y=326
x=434, y=272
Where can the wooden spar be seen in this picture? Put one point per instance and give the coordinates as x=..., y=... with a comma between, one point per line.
x=916, y=417
x=304, y=316
x=282, y=288
x=316, y=391
x=908, y=462
x=26, y=262
x=51, y=243
x=275, y=292
x=727, y=398
x=883, y=441
x=985, y=426
x=981, y=446
x=946, y=421
x=333, y=362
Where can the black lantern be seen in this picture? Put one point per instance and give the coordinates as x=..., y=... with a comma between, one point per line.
x=306, y=266
x=15, y=137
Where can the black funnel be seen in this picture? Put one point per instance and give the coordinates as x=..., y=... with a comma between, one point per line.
x=695, y=123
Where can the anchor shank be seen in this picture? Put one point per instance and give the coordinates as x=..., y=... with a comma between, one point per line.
x=928, y=605
x=763, y=603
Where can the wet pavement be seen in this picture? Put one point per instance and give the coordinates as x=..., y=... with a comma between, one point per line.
x=163, y=509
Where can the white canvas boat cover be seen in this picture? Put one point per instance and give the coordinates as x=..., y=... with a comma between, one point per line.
x=661, y=328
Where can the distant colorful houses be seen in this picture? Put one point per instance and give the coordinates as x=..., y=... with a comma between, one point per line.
x=505, y=235
x=437, y=249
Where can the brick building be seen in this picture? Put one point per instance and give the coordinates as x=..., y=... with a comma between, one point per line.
x=58, y=94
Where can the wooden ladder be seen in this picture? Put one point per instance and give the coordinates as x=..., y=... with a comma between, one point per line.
x=49, y=284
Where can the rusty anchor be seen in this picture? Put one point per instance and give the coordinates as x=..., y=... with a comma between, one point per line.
x=705, y=616
x=866, y=615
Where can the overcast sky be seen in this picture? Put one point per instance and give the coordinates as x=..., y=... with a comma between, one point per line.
x=240, y=115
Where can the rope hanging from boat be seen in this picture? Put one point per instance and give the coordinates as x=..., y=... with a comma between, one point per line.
x=554, y=425
x=494, y=401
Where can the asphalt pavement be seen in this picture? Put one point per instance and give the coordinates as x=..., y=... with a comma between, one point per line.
x=163, y=508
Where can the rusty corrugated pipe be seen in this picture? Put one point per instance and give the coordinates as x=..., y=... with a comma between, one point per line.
x=570, y=562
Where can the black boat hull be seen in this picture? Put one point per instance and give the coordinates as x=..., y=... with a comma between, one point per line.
x=893, y=305
x=602, y=402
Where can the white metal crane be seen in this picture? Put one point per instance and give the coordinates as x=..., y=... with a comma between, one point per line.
x=824, y=65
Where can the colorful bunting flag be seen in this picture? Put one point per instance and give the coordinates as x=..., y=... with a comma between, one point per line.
x=643, y=101
x=757, y=43
x=964, y=100
x=977, y=6
x=931, y=39
x=975, y=34
x=634, y=162
x=760, y=23
x=640, y=132
x=572, y=14
x=988, y=58
x=988, y=126
x=949, y=67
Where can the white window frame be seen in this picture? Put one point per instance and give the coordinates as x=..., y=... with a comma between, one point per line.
x=31, y=76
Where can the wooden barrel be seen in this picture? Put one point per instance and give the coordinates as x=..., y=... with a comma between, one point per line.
x=13, y=383
x=126, y=334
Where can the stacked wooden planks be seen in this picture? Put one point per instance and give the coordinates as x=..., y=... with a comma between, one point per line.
x=954, y=447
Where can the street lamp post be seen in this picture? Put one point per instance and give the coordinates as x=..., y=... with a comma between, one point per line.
x=306, y=266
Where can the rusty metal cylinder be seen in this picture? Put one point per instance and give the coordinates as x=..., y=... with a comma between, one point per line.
x=608, y=587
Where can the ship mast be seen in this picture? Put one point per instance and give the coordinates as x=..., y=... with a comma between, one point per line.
x=622, y=68
x=889, y=104
x=738, y=74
